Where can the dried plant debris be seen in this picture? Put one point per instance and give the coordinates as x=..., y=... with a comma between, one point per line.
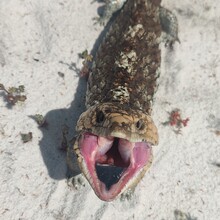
x=14, y=94
x=217, y=132
x=26, y=137
x=40, y=119
x=86, y=56
x=175, y=120
x=216, y=164
x=62, y=75
x=179, y=215
x=87, y=60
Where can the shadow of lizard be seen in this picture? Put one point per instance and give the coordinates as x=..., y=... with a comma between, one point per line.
x=50, y=144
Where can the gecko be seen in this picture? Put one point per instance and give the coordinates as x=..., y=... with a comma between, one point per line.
x=116, y=133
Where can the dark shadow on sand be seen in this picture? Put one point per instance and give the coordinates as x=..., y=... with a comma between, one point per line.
x=50, y=144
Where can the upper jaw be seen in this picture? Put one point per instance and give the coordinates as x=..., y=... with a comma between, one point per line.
x=112, y=119
x=133, y=157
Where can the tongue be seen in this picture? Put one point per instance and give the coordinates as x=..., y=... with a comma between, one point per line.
x=104, y=144
x=136, y=153
x=125, y=148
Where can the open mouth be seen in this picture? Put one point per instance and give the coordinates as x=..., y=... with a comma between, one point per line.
x=111, y=163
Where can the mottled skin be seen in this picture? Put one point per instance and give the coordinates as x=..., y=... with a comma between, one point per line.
x=127, y=63
x=121, y=87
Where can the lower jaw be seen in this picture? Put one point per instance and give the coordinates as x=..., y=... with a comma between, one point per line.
x=109, y=193
x=109, y=190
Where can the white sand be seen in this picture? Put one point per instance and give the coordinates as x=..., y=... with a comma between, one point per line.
x=33, y=175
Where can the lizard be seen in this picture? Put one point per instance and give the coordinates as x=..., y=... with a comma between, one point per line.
x=116, y=133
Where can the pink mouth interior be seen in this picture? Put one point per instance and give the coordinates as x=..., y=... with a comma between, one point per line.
x=112, y=162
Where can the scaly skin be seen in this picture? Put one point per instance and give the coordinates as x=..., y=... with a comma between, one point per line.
x=117, y=129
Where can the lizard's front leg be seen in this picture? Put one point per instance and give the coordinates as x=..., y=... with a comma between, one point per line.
x=111, y=6
x=74, y=174
x=169, y=25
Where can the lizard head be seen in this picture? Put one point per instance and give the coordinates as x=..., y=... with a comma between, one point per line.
x=114, y=147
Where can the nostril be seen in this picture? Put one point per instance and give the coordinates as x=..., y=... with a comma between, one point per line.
x=140, y=125
x=100, y=117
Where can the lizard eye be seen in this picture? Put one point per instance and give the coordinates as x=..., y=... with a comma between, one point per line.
x=140, y=125
x=100, y=117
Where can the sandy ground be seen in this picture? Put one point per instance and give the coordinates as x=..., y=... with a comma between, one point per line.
x=39, y=42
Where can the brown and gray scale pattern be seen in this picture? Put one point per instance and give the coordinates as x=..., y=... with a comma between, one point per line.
x=127, y=63
x=121, y=87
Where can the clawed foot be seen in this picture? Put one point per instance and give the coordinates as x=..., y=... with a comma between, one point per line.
x=110, y=7
x=169, y=26
x=170, y=42
x=127, y=195
x=76, y=182
x=102, y=21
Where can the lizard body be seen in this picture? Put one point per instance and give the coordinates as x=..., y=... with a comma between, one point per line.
x=116, y=132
